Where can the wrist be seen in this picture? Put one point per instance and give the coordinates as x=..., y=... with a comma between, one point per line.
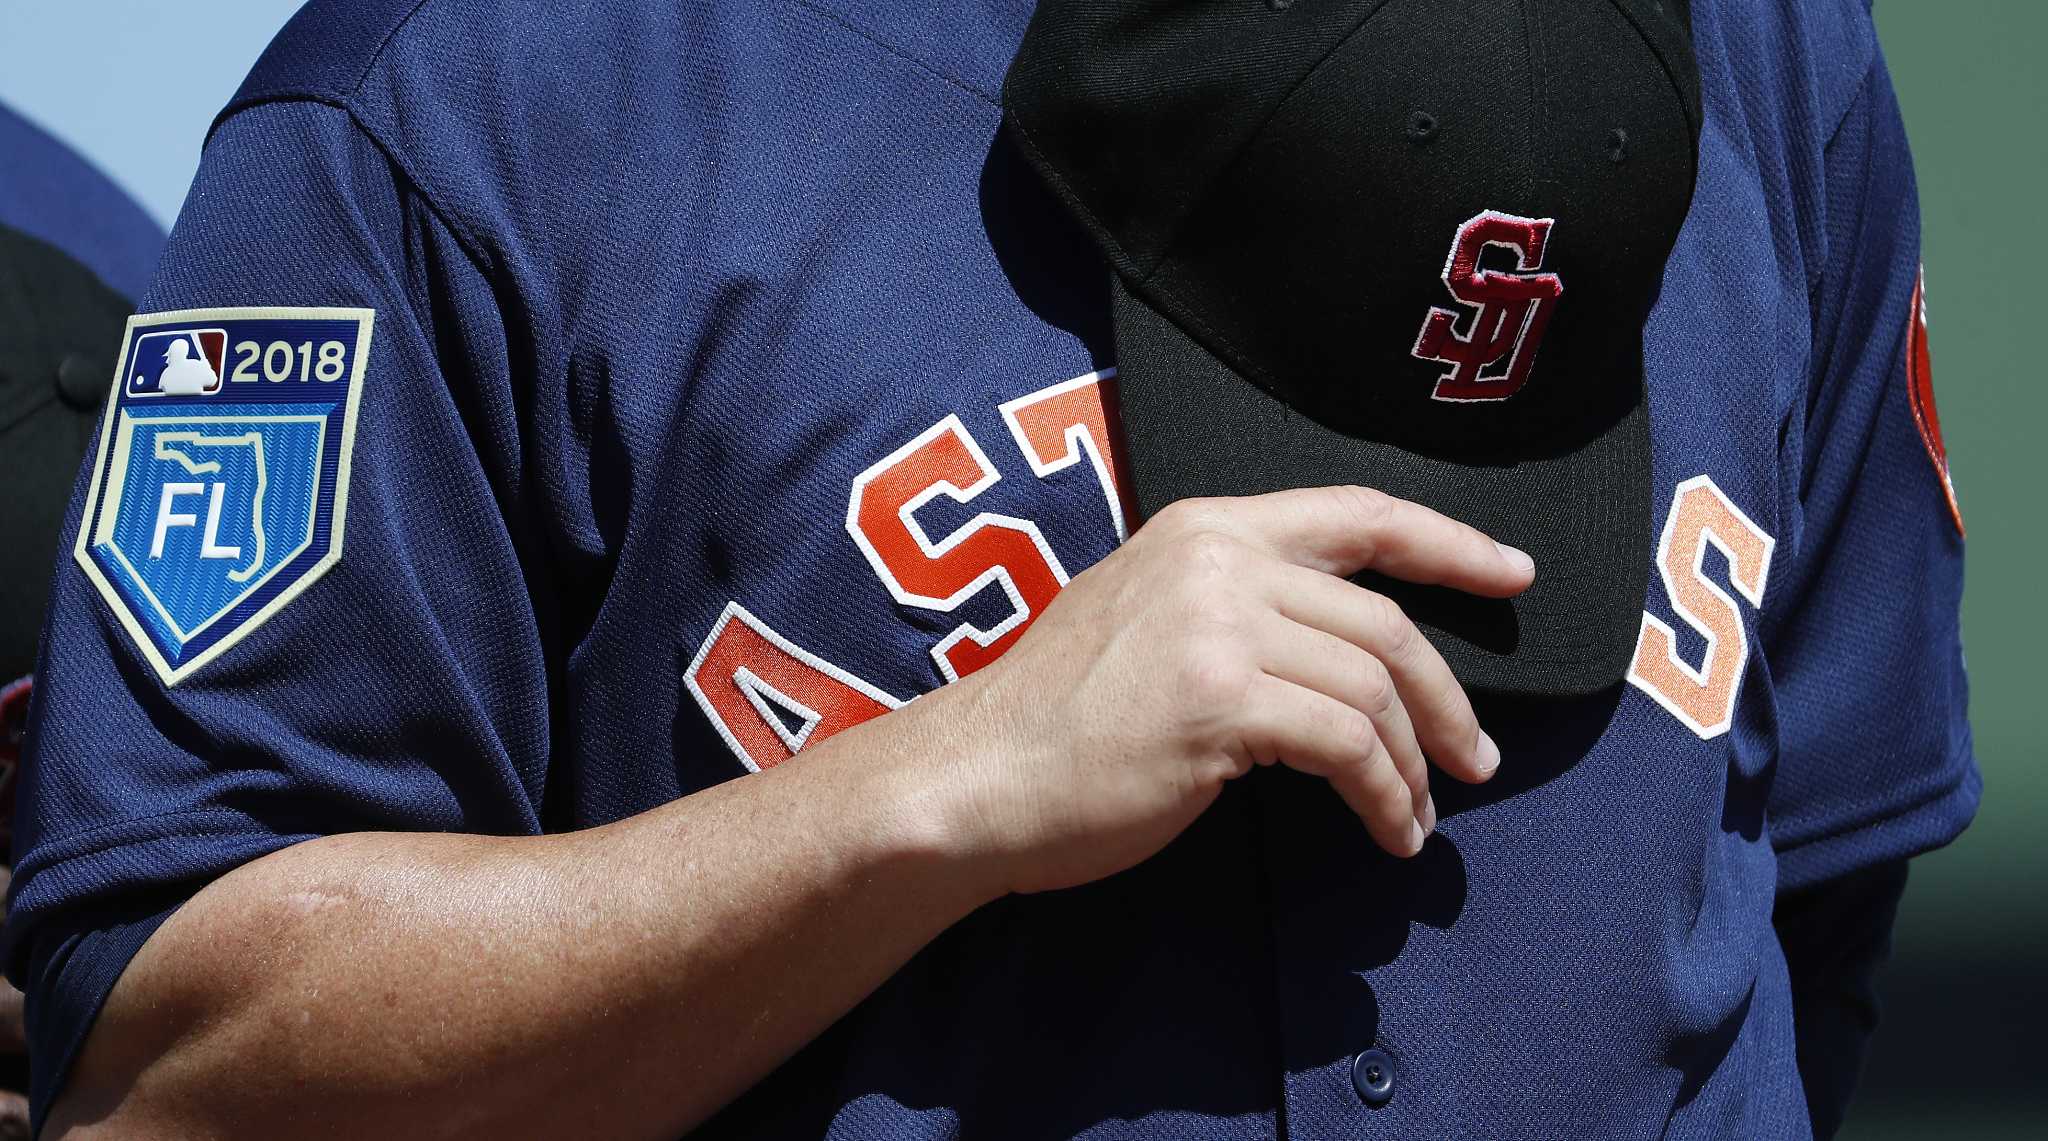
x=923, y=800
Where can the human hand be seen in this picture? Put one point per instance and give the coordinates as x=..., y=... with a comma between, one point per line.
x=1222, y=635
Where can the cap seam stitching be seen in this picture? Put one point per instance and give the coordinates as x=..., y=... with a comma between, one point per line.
x=1237, y=156
x=1536, y=113
x=1693, y=109
x=1254, y=369
x=1120, y=254
x=1171, y=309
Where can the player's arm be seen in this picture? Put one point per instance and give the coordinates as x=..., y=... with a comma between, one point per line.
x=1875, y=760
x=628, y=980
x=623, y=981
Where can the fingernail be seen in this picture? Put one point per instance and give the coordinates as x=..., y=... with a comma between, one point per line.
x=1415, y=837
x=1488, y=757
x=1428, y=817
x=1516, y=557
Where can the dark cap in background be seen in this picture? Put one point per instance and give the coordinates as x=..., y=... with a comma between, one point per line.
x=59, y=327
x=1409, y=244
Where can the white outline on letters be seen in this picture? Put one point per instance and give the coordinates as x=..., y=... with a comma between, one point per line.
x=1522, y=266
x=999, y=574
x=1078, y=441
x=1699, y=556
x=735, y=610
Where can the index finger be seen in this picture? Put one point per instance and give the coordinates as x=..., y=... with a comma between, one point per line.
x=1343, y=530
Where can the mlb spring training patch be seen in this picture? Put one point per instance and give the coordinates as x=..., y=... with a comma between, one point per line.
x=220, y=487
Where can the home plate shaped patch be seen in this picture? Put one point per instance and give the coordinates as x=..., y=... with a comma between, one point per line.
x=220, y=486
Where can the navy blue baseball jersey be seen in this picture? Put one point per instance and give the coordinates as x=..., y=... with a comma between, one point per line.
x=546, y=410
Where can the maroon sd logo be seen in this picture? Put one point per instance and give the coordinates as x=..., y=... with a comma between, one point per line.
x=1507, y=312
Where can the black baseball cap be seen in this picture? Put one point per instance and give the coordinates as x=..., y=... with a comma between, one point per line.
x=59, y=324
x=1409, y=244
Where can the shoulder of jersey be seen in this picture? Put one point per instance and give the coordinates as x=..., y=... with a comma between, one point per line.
x=322, y=52
x=326, y=50
x=1815, y=53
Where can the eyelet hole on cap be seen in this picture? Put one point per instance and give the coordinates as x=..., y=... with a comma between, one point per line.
x=1421, y=126
x=1617, y=145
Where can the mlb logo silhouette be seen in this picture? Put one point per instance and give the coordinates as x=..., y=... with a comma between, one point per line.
x=220, y=489
x=185, y=363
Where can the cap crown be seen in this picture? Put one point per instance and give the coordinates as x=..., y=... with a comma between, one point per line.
x=1433, y=223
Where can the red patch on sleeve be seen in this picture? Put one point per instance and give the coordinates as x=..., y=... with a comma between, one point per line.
x=1920, y=385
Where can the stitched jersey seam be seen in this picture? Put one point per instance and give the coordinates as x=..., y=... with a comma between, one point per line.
x=410, y=182
x=891, y=49
x=384, y=43
x=88, y=844
x=336, y=97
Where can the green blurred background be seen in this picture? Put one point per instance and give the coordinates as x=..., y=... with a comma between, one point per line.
x=1960, y=1053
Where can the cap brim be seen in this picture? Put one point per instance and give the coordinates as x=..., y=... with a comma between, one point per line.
x=1193, y=427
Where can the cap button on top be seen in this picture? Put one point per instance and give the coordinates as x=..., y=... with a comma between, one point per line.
x=1372, y=1075
x=79, y=383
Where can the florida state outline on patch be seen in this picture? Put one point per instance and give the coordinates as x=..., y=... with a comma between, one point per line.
x=220, y=488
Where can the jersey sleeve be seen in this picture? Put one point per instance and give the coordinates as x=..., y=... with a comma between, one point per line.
x=1864, y=646
x=403, y=689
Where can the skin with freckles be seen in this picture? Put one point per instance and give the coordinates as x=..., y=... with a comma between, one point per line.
x=373, y=983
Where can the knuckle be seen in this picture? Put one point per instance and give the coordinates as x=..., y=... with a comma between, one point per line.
x=1356, y=735
x=1212, y=675
x=1386, y=781
x=1378, y=693
x=1184, y=516
x=1365, y=506
x=1394, y=631
x=1176, y=513
x=1202, y=595
x=1210, y=549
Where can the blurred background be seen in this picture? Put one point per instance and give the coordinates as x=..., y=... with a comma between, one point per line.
x=1961, y=1052
x=133, y=85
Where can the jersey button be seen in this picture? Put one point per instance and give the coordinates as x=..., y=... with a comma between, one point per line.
x=1372, y=1075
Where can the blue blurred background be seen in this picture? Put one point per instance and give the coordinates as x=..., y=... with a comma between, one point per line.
x=133, y=84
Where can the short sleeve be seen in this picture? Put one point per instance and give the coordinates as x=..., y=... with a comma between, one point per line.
x=403, y=689
x=1863, y=638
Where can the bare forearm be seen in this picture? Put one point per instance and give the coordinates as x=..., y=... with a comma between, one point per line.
x=627, y=981
x=623, y=982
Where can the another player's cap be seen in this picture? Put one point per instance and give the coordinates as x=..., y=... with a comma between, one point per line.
x=59, y=325
x=1399, y=243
